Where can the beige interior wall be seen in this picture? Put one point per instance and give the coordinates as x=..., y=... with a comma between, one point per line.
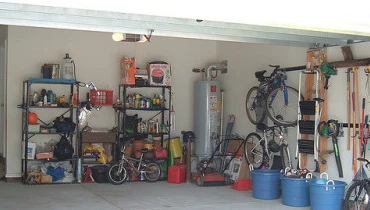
x=97, y=59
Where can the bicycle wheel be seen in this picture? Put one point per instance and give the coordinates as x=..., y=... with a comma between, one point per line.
x=254, y=150
x=254, y=106
x=117, y=174
x=279, y=112
x=285, y=156
x=357, y=196
x=152, y=171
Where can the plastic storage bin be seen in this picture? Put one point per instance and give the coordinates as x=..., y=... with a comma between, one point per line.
x=99, y=173
x=101, y=97
x=266, y=184
x=327, y=194
x=295, y=191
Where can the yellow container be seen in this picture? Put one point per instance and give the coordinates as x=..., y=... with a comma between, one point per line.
x=149, y=145
x=175, y=147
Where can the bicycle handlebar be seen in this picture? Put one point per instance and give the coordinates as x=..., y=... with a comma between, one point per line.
x=277, y=68
x=264, y=127
x=364, y=159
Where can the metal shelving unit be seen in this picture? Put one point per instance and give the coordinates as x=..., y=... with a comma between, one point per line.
x=71, y=111
x=161, y=113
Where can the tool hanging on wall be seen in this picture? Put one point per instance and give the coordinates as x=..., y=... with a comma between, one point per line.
x=362, y=129
x=349, y=109
x=330, y=129
x=327, y=70
x=367, y=85
x=354, y=144
x=367, y=133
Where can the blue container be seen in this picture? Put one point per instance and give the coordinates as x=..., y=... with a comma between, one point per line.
x=326, y=196
x=295, y=191
x=266, y=184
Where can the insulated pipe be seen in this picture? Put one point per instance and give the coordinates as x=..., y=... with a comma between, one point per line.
x=208, y=72
x=222, y=119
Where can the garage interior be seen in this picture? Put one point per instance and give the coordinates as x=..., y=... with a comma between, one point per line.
x=32, y=35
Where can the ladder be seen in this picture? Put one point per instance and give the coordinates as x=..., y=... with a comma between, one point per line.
x=311, y=111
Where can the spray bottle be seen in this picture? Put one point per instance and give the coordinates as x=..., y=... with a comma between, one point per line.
x=67, y=68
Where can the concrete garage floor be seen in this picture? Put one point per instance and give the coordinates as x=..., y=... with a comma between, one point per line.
x=130, y=195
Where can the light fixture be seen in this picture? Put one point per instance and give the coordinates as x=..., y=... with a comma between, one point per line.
x=125, y=37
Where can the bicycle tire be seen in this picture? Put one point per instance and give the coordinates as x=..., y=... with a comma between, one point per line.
x=285, y=157
x=152, y=171
x=277, y=111
x=115, y=176
x=357, y=196
x=253, y=150
x=254, y=107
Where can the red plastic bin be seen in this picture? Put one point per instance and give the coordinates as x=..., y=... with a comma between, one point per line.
x=101, y=97
x=176, y=174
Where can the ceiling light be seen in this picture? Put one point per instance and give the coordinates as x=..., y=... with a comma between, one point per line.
x=125, y=37
x=117, y=37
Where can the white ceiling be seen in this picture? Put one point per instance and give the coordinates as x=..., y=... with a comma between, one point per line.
x=285, y=22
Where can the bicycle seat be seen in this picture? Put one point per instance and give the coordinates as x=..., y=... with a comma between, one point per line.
x=262, y=126
x=259, y=75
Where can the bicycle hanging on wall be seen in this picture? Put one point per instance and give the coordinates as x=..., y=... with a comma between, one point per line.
x=273, y=98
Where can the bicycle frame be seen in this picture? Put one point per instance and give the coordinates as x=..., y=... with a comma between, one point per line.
x=267, y=153
x=286, y=97
x=129, y=162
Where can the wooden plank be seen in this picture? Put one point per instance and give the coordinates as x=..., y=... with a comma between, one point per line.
x=347, y=53
x=351, y=63
x=341, y=64
x=323, y=140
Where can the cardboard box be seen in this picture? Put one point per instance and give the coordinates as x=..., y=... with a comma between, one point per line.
x=31, y=150
x=98, y=137
x=44, y=155
x=128, y=70
x=46, y=179
x=159, y=73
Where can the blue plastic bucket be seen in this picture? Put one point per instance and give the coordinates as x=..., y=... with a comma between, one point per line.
x=295, y=191
x=327, y=195
x=266, y=184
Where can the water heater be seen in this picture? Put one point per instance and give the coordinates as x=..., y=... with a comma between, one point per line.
x=207, y=111
x=207, y=117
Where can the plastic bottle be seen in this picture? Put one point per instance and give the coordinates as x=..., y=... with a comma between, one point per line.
x=50, y=96
x=79, y=174
x=148, y=103
x=67, y=68
x=137, y=101
x=45, y=100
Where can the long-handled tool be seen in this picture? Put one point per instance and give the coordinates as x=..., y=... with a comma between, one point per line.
x=362, y=129
x=366, y=134
x=349, y=109
x=354, y=151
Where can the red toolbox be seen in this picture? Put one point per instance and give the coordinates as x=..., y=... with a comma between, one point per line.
x=176, y=174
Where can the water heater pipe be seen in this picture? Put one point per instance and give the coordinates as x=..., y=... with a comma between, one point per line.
x=221, y=120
